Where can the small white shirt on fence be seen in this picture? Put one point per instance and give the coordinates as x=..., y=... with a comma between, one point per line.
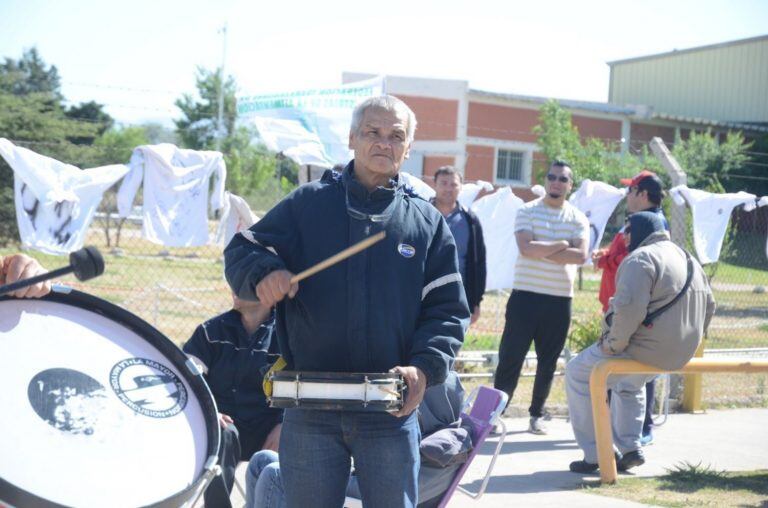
x=55, y=202
x=711, y=213
x=176, y=185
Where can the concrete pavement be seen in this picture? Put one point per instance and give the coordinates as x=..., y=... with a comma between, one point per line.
x=533, y=470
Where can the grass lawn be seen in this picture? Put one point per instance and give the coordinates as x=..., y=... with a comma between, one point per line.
x=728, y=273
x=692, y=485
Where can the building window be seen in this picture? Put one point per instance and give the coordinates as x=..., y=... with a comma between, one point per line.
x=509, y=166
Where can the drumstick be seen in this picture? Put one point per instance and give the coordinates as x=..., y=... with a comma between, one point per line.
x=340, y=256
x=391, y=392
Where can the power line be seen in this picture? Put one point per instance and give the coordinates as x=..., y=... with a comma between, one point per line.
x=123, y=88
x=126, y=106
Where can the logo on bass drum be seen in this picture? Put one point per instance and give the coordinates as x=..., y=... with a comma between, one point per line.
x=148, y=387
x=405, y=250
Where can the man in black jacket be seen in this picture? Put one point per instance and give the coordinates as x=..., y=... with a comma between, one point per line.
x=467, y=233
x=396, y=306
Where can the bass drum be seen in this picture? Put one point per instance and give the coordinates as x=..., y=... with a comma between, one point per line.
x=98, y=408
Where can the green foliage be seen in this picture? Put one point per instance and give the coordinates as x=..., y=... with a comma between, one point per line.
x=252, y=171
x=686, y=472
x=590, y=158
x=199, y=126
x=30, y=75
x=93, y=112
x=31, y=115
x=556, y=134
x=116, y=145
x=584, y=332
x=707, y=162
x=752, y=175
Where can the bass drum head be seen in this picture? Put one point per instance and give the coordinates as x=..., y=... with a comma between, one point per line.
x=99, y=408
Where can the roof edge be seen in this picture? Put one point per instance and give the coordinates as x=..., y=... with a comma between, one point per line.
x=676, y=52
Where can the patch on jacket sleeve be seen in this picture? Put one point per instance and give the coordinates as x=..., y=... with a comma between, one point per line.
x=405, y=250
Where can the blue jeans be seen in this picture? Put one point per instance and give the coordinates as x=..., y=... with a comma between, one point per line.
x=263, y=485
x=316, y=448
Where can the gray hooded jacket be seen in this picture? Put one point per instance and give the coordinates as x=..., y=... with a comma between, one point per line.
x=648, y=278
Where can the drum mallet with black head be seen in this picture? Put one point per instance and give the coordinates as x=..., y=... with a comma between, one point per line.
x=86, y=263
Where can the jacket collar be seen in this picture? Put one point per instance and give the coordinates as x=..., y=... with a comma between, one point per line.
x=359, y=192
x=459, y=206
x=658, y=236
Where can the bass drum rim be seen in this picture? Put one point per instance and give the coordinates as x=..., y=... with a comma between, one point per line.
x=16, y=496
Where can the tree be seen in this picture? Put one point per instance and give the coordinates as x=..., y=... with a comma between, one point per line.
x=199, y=127
x=556, y=134
x=252, y=171
x=29, y=75
x=31, y=115
x=116, y=145
x=93, y=112
x=590, y=158
x=708, y=162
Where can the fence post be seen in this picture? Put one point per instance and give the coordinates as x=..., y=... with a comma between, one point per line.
x=678, y=230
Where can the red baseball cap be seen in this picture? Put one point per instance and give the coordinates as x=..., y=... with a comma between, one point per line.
x=634, y=181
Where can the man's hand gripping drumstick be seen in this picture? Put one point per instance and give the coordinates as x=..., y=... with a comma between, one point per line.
x=281, y=283
x=19, y=267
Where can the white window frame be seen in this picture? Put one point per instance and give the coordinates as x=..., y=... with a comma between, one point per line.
x=523, y=167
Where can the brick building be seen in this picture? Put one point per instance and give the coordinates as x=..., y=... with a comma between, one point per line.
x=489, y=135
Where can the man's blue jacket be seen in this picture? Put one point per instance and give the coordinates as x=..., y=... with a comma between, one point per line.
x=399, y=302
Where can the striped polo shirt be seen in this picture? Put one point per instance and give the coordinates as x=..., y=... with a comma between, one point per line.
x=548, y=224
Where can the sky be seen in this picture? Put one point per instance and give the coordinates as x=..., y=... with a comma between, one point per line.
x=137, y=57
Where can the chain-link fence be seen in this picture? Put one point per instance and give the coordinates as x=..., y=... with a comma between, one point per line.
x=739, y=281
x=176, y=288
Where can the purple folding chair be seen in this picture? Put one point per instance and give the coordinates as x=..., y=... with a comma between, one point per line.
x=487, y=405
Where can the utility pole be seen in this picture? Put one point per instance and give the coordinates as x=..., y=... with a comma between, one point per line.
x=222, y=78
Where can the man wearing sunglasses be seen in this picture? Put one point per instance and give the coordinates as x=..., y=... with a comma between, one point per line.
x=396, y=306
x=553, y=237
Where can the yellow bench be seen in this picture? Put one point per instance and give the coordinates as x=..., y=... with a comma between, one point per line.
x=601, y=412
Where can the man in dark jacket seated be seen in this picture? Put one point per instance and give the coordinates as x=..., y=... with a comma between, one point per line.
x=438, y=412
x=233, y=350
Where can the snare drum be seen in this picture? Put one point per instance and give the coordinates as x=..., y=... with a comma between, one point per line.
x=338, y=391
x=98, y=408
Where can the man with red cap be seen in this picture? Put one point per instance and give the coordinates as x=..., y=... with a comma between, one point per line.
x=645, y=195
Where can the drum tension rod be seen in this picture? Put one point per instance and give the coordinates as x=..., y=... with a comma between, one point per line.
x=298, y=387
x=365, y=394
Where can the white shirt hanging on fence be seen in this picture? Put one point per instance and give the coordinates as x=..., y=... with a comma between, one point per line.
x=176, y=185
x=419, y=186
x=469, y=192
x=762, y=202
x=596, y=200
x=235, y=217
x=55, y=202
x=497, y=213
x=711, y=213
